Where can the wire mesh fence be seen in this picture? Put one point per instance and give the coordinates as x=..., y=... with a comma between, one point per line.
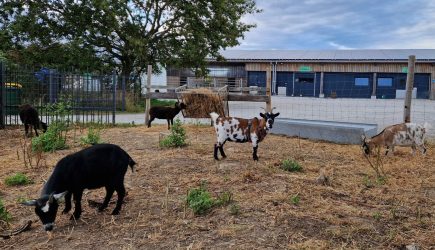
x=90, y=98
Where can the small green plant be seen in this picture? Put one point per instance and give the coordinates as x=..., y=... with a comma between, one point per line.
x=200, y=200
x=377, y=216
x=53, y=139
x=291, y=165
x=295, y=199
x=17, y=179
x=224, y=198
x=4, y=214
x=367, y=182
x=177, y=137
x=93, y=137
x=234, y=209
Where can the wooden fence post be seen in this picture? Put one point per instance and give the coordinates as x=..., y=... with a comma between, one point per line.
x=148, y=99
x=409, y=88
x=268, y=89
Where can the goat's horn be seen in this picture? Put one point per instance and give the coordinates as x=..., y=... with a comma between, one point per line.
x=273, y=108
x=263, y=108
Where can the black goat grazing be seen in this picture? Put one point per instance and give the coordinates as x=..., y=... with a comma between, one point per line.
x=101, y=165
x=29, y=117
x=167, y=113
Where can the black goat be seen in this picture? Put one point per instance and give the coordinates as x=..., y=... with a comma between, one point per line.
x=167, y=113
x=29, y=117
x=101, y=165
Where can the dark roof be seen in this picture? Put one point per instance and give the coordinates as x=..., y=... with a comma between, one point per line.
x=427, y=55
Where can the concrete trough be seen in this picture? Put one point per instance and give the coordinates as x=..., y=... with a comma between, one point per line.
x=338, y=132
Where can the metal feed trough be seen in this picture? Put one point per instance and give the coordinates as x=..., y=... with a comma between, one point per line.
x=202, y=99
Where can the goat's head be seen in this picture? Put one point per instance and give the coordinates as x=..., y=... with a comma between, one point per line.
x=366, y=145
x=269, y=117
x=46, y=208
x=180, y=105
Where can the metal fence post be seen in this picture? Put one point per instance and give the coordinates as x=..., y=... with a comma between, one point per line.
x=114, y=97
x=2, y=96
x=148, y=99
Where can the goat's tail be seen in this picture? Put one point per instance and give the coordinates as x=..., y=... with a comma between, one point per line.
x=214, y=116
x=131, y=163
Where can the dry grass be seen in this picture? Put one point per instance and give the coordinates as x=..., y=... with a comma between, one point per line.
x=201, y=102
x=343, y=214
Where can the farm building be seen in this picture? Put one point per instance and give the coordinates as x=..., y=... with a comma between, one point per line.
x=321, y=73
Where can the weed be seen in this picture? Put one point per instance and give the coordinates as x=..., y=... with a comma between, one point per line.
x=377, y=216
x=291, y=165
x=177, y=137
x=53, y=139
x=224, y=198
x=367, y=182
x=295, y=199
x=381, y=180
x=17, y=179
x=200, y=200
x=4, y=214
x=93, y=137
x=234, y=209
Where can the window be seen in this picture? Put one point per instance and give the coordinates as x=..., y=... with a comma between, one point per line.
x=385, y=82
x=361, y=82
x=305, y=79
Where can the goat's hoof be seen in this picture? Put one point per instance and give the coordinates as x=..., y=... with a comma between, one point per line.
x=255, y=158
x=115, y=212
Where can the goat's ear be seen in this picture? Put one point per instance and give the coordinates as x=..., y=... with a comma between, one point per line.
x=29, y=203
x=262, y=115
x=275, y=115
x=363, y=138
x=60, y=196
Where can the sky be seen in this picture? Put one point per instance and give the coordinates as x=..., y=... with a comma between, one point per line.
x=341, y=24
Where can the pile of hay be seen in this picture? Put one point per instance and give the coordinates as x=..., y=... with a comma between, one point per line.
x=201, y=102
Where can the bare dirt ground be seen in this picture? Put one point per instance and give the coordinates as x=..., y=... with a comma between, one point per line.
x=350, y=213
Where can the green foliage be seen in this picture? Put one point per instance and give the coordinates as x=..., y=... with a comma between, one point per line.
x=17, y=179
x=295, y=199
x=55, y=136
x=158, y=102
x=377, y=216
x=224, y=199
x=369, y=183
x=177, y=137
x=93, y=137
x=53, y=139
x=200, y=200
x=291, y=165
x=126, y=34
x=4, y=214
x=234, y=209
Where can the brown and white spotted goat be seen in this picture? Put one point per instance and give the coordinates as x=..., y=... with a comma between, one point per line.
x=241, y=130
x=404, y=134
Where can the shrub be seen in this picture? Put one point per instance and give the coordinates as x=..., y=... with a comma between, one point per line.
x=200, y=200
x=92, y=138
x=53, y=139
x=4, y=214
x=177, y=137
x=291, y=165
x=17, y=180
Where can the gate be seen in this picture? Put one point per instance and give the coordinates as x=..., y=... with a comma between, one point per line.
x=90, y=98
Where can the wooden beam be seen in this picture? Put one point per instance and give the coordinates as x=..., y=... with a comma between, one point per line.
x=231, y=97
x=148, y=100
x=409, y=88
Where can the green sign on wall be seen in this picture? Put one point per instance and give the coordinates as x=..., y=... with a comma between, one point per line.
x=404, y=69
x=305, y=69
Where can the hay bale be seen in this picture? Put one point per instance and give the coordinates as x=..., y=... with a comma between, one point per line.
x=201, y=102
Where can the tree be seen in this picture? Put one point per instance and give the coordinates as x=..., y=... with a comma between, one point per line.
x=129, y=34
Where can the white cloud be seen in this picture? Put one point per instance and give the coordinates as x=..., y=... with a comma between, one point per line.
x=339, y=46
